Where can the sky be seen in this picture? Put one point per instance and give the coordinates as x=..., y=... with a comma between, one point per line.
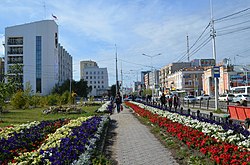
x=98, y=29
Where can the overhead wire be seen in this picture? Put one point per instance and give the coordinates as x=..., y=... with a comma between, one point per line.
x=197, y=40
x=230, y=15
x=225, y=27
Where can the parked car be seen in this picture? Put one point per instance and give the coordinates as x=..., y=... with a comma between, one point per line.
x=138, y=99
x=203, y=97
x=226, y=97
x=127, y=99
x=241, y=97
x=190, y=99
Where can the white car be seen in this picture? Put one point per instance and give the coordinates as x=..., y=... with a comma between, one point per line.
x=190, y=99
x=203, y=97
x=226, y=97
x=240, y=97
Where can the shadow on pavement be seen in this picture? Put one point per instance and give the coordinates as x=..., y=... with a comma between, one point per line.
x=109, y=142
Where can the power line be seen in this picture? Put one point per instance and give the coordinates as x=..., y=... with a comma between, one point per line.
x=198, y=39
x=240, y=23
x=233, y=31
x=230, y=15
x=134, y=63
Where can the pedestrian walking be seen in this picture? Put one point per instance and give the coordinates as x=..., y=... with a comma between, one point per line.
x=163, y=100
x=179, y=102
x=170, y=102
x=175, y=99
x=118, y=102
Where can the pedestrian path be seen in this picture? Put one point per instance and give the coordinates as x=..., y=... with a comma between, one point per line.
x=135, y=144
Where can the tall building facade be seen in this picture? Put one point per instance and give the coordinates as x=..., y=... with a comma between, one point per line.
x=65, y=65
x=97, y=78
x=34, y=47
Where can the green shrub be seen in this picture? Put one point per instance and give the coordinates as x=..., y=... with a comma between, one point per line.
x=36, y=100
x=18, y=100
x=52, y=99
x=65, y=97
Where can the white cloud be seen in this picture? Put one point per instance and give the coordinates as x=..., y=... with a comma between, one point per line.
x=90, y=29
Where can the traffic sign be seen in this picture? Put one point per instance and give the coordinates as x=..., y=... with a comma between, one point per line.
x=216, y=71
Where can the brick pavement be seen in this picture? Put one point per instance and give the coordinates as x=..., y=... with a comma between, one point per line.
x=135, y=144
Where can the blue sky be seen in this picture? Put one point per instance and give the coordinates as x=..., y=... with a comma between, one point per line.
x=89, y=30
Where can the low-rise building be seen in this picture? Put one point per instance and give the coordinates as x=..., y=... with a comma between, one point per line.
x=188, y=80
x=97, y=78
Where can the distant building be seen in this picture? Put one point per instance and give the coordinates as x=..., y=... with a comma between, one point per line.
x=86, y=64
x=34, y=47
x=97, y=78
x=202, y=62
x=168, y=70
x=1, y=69
x=188, y=80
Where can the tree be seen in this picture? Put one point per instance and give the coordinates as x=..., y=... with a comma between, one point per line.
x=113, y=90
x=16, y=78
x=82, y=89
x=147, y=92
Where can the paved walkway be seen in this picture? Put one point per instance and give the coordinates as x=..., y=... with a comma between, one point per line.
x=135, y=145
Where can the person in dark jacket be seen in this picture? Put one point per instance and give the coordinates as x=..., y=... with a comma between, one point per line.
x=163, y=100
x=170, y=102
x=118, y=102
x=175, y=99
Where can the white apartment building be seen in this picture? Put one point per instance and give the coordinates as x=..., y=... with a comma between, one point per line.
x=34, y=46
x=97, y=78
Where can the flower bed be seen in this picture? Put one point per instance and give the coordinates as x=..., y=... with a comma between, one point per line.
x=106, y=108
x=71, y=143
x=20, y=139
x=222, y=133
x=224, y=147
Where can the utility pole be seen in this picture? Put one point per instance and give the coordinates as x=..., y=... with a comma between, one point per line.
x=214, y=55
x=116, y=71
x=153, y=72
x=188, y=48
x=121, y=82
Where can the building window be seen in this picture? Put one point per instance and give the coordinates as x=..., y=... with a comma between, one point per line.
x=87, y=77
x=94, y=73
x=90, y=82
x=87, y=72
x=39, y=64
x=98, y=86
x=94, y=82
x=94, y=87
x=102, y=86
x=56, y=40
x=94, y=77
x=102, y=82
x=90, y=77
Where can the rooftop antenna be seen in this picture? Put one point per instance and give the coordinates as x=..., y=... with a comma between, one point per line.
x=44, y=8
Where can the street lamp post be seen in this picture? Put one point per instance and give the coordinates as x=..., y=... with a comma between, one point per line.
x=153, y=74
